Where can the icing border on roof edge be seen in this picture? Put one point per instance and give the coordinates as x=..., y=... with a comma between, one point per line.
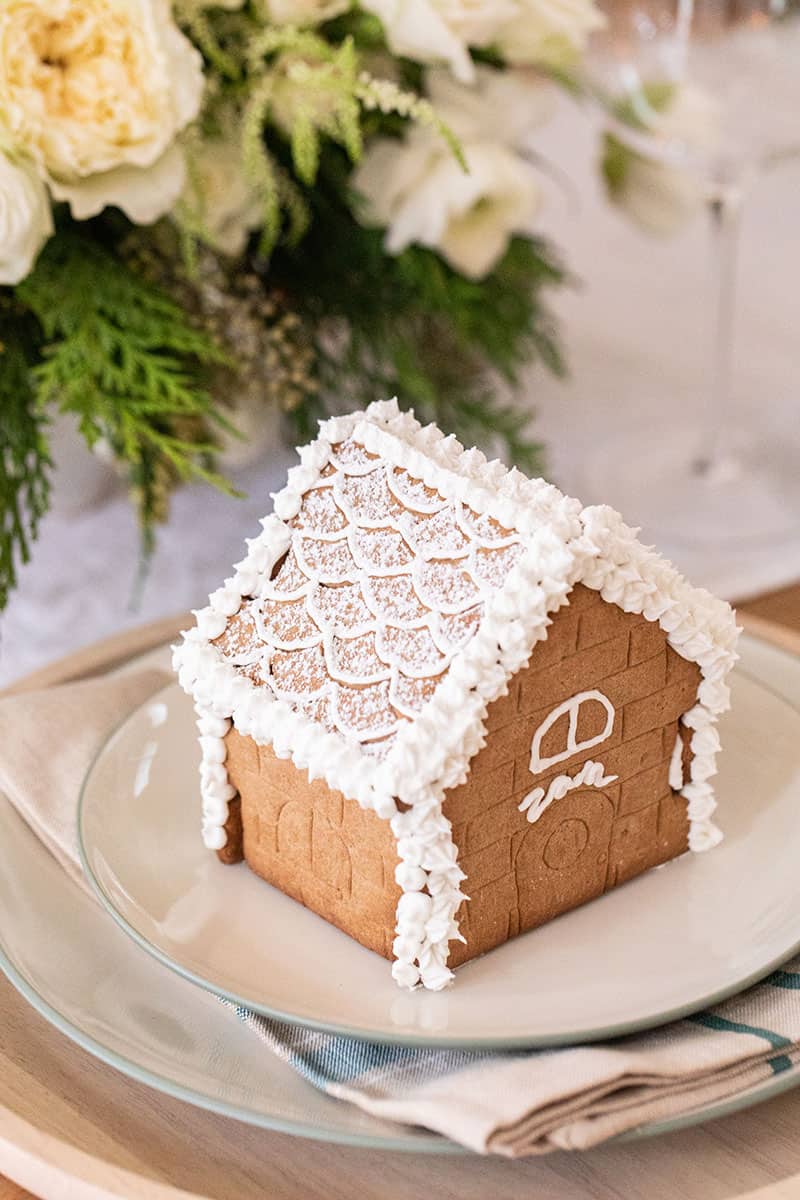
x=699, y=627
x=564, y=545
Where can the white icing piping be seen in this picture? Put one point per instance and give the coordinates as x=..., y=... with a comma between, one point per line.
x=425, y=920
x=591, y=774
x=563, y=546
x=676, y=780
x=573, y=746
x=215, y=788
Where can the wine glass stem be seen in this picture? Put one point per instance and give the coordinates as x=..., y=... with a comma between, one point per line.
x=724, y=209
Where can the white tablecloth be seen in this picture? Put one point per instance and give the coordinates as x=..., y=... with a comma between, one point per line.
x=636, y=331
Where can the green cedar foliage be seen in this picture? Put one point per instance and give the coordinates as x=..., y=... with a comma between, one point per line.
x=127, y=362
x=24, y=459
x=413, y=326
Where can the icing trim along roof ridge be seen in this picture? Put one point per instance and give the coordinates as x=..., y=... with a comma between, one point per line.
x=487, y=485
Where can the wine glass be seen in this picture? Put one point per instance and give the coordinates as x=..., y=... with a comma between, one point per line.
x=732, y=67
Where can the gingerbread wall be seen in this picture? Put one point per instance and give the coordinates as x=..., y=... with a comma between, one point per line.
x=323, y=850
x=520, y=874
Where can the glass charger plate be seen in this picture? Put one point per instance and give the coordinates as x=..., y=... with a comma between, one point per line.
x=675, y=940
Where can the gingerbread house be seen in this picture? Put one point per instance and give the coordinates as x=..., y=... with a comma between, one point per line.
x=440, y=703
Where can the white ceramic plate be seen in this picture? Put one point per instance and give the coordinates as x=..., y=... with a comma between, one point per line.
x=670, y=942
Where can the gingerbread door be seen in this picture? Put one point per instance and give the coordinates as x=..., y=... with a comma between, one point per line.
x=561, y=861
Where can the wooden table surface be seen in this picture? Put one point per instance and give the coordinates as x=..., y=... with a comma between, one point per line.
x=72, y=1128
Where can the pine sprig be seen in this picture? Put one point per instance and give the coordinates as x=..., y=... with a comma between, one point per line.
x=129, y=364
x=24, y=459
x=314, y=94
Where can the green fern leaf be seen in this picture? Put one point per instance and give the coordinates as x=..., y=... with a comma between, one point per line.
x=126, y=360
x=24, y=459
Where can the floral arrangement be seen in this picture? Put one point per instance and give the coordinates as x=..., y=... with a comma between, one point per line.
x=280, y=201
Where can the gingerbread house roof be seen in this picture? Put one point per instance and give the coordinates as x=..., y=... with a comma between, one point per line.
x=399, y=585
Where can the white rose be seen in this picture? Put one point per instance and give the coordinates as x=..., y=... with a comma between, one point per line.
x=228, y=206
x=95, y=92
x=305, y=12
x=658, y=194
x=417, y=190
x=502, y=106
x=25, y=219
x=441, y=31
x=549, y=32
x=525, y=31
x=658, y=198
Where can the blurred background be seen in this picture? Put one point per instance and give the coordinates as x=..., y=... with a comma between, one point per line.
x=667, y=180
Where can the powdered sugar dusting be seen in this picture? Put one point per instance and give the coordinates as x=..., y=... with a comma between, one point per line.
x=320, y=710
x=319, y=513
x=455, y=629
x=381, y=549
x=330, y=562
x=369, y=500
x=284, y=623
x=384, y=582
x=411, y=695
x=413, y=493
x=350, y=453
x=289, y=577
x=240, y=636
x=364, y=710
x=342, y=609
x=482, y=526
x=413, y=650
x=446, y=586
x=395, y=600
x=355, y=658
x=435, y=535
x=493, y=566
x=299, y=672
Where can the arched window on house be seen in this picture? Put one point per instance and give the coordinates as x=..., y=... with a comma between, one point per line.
x=572, y=745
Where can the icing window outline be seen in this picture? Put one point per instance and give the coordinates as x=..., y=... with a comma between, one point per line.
x=571, y=706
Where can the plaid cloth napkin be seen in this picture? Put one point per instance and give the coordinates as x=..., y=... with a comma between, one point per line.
x=511, y=1103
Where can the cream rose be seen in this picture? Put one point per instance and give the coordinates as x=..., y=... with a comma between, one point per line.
x=419, y=193
x=525, y=31
x=549, y=32
x=95, y=91
x=25, y=219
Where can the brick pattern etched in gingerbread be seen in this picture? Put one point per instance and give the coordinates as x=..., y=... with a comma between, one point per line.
x=519, y=875
x=314, y=844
